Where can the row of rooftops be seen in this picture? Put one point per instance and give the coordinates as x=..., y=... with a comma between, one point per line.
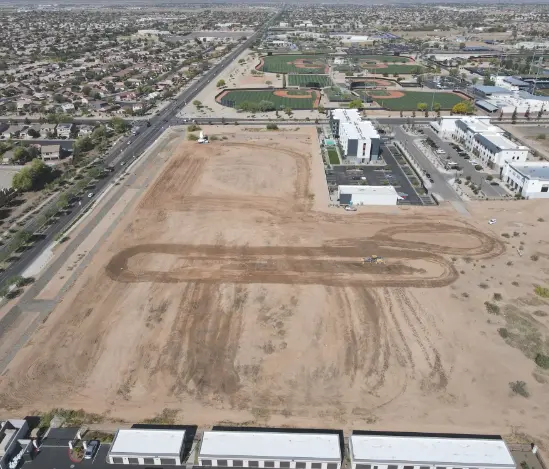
x=355, y=126
x=320, y=445
x=489, y=135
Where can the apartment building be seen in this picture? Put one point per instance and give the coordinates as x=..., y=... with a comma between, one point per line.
x=358, y=138
x=531, y=180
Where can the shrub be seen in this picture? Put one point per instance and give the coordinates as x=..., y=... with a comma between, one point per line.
x=193, y=128
x=465, y=295
x=484, y=286
x=505, y=235
x=489, y=177
x=497, y=297
x=534, y=257
x=542, y=361
x=504, y=333
x=515, y=284
x=272, y=127
x=192, y=137
x=478, y=167
x=491, y=307
x=519, y=387
x=541, y=219
x=542, y=291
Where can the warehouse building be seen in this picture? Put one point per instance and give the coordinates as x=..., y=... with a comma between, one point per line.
x=358, y=138
x=367, y=195
x=270, y=449
x=391, y=450
x=150, y=447
x=531, y=180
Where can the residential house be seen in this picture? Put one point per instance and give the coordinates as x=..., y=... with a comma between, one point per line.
x=47, y=130
x=31, y=131
x=137, y=107
x=51, y=152
x=64, y=130
x=85, y=130
x=13, y=131
x=67, y=107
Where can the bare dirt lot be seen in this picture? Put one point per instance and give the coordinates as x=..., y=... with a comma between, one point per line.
x=232, y=293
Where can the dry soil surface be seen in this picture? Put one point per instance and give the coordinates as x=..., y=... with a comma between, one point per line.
x=229, y=294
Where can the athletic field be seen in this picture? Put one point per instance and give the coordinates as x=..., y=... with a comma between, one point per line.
x=398, y=100
x=383, y=58
x=315, y=64
x=391, y=69
x=294, y=99
x=310, y=81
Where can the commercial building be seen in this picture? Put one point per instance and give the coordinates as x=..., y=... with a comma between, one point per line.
x=150, y=447
x=358, y=138
x=531, y=180
x=11, y=432
x=486, y=141
x=523, y=103
x=486, y=91
x=271, y=449
x=367, y=195
x=390, y=450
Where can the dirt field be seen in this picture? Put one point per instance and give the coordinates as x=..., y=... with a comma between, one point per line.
x=232, y=293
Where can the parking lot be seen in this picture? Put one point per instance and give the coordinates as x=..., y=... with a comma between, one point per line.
x=392, y=174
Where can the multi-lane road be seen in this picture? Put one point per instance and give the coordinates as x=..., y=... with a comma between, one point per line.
x=126, y=151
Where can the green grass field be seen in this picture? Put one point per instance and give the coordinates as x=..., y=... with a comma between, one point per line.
x=333, y=156
x=285, y=64
x=310, y=81
x=411, y=98
x=395, y=68
x=234, y=98
x=382, y=58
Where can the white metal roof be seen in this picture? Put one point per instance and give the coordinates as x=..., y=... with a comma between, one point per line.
x=461, y=452
x=270, y=445
x=135, y=441
x=372, y=190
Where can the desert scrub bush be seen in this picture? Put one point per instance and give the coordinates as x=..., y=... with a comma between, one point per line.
x=505, y=235
x=192, y=137
x=534, y=257
x=491, y=307
x=515, y=284
x=504, y=333
x=542, y=361
x=465, y=295
x=540, y=219
x=497, y=297
x=193, y=128
x=484, y=286
x=542, y=291
x=520, y=388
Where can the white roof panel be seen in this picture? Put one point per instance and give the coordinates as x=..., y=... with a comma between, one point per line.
x=270, y=445
x=148, y=442
x=370, y=190
x=461, y=452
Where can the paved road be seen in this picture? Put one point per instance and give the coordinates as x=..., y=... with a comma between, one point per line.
x=138, y=144
x=440, y=184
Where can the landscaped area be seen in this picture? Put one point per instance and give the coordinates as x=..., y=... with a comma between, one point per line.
x=269, y=100
x=333, y=156
x=310, y=81
x=408, y=100
x=293, y=64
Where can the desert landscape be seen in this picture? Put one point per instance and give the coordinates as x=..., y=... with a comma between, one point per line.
x=231, y=292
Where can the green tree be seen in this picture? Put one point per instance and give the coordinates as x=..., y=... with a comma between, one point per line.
x=464, y=107
x=356, y=104
x=288, y=110
x=454, y=72
x=119, y=125
x=33, y=177
x=321, y=109
x=436, y=107
x=197, y=103
x=421, y=106
x=86, y=90
x=220, y=83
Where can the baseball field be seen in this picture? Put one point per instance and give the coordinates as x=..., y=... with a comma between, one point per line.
x=315, y=64
x=310, y=81
x=294, y=99
x=408, y=100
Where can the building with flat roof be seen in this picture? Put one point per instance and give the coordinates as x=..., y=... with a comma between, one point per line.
x=148, y=447
x=11, y=432
x=367, y=195
x=358, y=138
x=531, y=179
x=485, y=91
x=485, y=140
x=270, y=449
x=388, y=450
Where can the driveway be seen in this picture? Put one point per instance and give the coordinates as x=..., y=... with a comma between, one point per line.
x=478, y=177
x=440, y=185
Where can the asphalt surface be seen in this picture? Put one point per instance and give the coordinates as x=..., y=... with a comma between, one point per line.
x=123, y=153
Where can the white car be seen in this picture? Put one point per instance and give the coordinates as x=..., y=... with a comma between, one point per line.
x=440, y=151
x=90, y=195
x=492, y=221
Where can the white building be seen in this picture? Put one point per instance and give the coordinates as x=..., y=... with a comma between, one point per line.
x=367, y=195
x=386, y=450
x=531, y=179
x=11, y=432
x=522, y=102
x=50, y=152
x=480, y=137
x=64, y=130
x=147, y=447
x=270, y=449
x=357, y=137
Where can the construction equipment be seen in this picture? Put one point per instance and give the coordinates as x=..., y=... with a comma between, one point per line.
x=373, y=260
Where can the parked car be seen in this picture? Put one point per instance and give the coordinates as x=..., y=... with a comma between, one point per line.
x=440, y=151
x=92, y=448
